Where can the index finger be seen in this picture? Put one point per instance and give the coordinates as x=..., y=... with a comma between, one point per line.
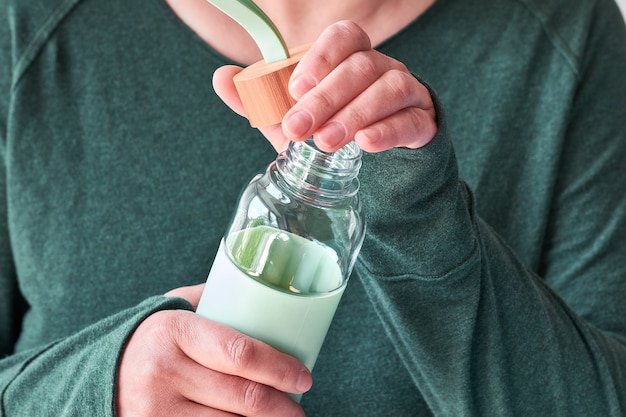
x=335, y=44
x=223, y=349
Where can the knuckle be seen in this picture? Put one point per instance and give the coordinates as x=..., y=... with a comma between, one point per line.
x=400, y=84
x=154, y=370
x=324, y=61
x=168, y=327
x=347, y=28
x=164, y=320
x=159, y=340
x=354, y=119
x=240, y=350
x=256, y=398
x=423, y=129
x=155, y=364
x=366, y=66
x=321, y=100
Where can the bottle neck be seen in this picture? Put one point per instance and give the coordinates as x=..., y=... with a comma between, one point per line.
x=318, y=176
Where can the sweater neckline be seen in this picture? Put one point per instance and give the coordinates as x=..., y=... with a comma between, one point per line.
x=423, y=19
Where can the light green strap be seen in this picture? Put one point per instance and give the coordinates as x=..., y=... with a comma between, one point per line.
x=258, y=25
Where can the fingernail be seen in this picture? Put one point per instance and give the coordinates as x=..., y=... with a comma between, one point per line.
x=298, y=124
x=332, y=134
x=304, y=382
x=300, y=85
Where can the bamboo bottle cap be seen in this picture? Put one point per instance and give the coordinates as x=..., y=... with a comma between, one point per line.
x=264, y=88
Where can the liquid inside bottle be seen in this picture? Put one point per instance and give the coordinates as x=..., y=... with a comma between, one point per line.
x=285, y=261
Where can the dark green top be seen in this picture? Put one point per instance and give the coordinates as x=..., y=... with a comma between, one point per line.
x=493, y=276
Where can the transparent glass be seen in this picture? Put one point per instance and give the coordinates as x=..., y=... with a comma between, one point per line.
x=311, y=194
x=289, y=250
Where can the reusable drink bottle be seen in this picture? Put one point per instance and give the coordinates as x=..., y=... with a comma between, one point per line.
x=288, y=252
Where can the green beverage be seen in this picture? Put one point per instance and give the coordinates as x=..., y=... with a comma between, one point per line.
x=275, y=286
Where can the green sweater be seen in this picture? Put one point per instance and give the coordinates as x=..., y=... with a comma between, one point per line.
x=493, y=275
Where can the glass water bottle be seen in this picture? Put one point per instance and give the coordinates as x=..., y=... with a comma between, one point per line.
x=286, y=257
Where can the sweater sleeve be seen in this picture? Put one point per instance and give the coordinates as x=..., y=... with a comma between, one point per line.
x=480, y=333
x=75, y=373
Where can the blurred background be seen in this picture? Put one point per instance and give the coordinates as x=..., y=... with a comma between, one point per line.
x=622, y=5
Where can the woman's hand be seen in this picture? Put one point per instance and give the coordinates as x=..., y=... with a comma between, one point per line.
x=345, y=91
x=179, y=364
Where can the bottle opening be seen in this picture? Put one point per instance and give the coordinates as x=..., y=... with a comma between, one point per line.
x=318, y=174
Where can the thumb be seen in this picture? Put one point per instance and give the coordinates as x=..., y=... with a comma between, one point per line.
x=225, y=87
x=191, y=293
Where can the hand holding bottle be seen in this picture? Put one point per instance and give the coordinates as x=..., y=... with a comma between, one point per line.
x=345, y=91
x=179, y=364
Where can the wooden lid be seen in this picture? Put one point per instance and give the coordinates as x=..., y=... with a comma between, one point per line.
x=264, y=88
